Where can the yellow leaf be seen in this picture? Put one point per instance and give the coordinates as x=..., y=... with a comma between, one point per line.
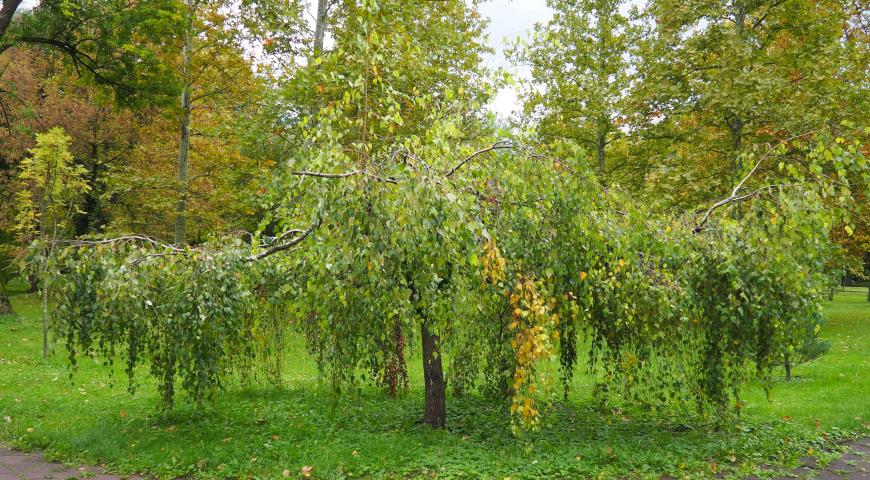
x=306, y=471
x=583, y=276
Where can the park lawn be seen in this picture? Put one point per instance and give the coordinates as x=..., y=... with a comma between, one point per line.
x=263, y=432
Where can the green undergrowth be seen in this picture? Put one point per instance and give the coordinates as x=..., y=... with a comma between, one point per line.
x=263, y=432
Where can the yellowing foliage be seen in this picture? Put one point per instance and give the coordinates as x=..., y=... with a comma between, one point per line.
x=533, y=326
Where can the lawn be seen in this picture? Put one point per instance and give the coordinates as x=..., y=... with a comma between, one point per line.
x=263, y=432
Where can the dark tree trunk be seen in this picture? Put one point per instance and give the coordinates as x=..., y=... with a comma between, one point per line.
x=5, y=304
x=433, y=375
x=7, y=11
x=88, y=220
x=787, y=366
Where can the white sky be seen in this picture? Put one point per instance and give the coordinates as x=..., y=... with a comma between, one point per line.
x=508, y=20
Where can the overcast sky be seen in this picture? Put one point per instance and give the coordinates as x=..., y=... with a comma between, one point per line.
x=509, y=19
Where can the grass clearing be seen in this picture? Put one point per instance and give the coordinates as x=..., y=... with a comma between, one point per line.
x=261, y=432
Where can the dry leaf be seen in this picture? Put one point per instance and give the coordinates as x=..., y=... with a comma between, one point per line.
x=306, y=471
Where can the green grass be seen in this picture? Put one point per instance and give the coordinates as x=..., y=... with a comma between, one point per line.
x=260, y=432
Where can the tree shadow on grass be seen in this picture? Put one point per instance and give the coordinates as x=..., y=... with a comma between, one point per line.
x=367, y=433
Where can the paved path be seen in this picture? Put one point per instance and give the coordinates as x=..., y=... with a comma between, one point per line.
x=33, y=466
x=14, y=465
x=854, y=465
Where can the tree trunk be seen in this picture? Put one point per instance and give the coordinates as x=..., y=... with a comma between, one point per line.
x=45, y=318
x=6, y=14
x=600, y=144
x=735, y=126
x=320, y=27
x=184, y=134
x=5, y=304
x=787, y=366
x=433, y=375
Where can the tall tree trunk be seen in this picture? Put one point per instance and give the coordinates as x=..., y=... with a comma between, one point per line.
x=184, y=134
x=7, y=11
x=320, y=26
x=433, y=375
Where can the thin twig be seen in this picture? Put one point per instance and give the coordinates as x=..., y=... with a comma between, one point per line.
x=734, y=197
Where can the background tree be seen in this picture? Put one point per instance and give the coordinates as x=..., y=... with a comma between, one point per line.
x=54, y=185
x=720, y=78
x=112, y=43
x=581, y=71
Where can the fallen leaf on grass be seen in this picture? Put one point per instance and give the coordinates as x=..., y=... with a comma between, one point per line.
x=306, y=471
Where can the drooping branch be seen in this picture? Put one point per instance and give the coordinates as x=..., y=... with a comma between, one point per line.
x=297, y=237
x=735, y=194
x=500, y=145
x=327, y=175
x=83, y=60
x=344, y=175
x=293, y=237
x=132, y=239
